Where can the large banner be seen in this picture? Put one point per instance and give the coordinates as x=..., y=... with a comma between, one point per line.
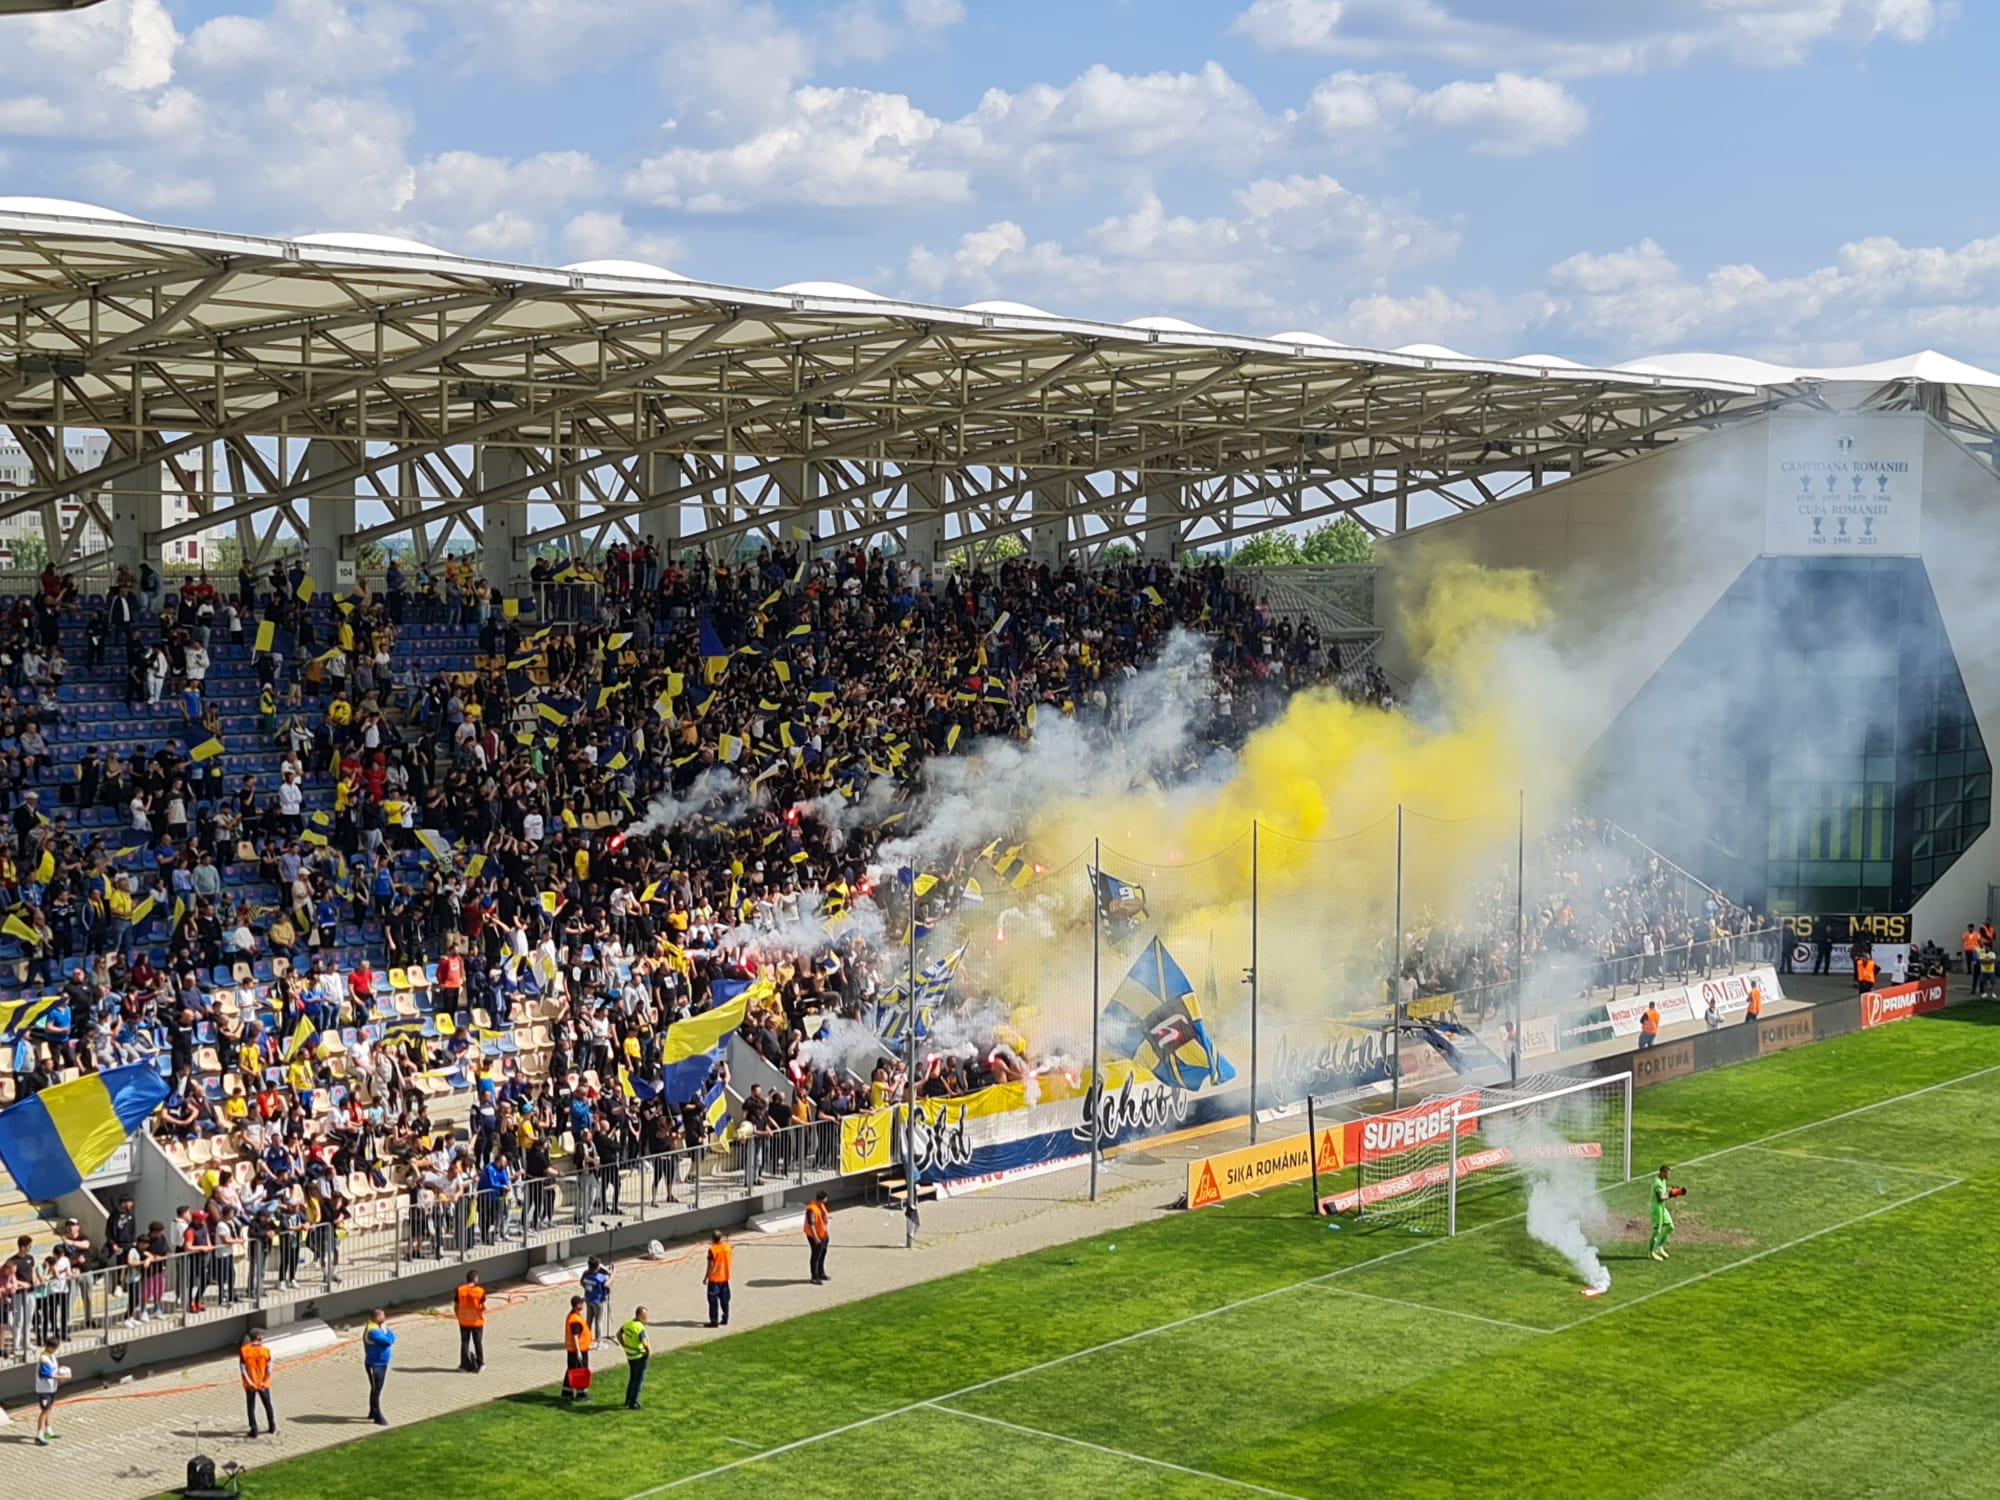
x=1844, y=928
x=960, y=1145
x=1689, y=1002
x=1844, y=486
x=1899, y=1002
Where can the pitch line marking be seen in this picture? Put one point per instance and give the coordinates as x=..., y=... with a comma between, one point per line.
x=1849, y=1114
x=1748, y=1260
x=1227, y=1307
x=1137, y=1458
x=1855, y=1161
x=1432, y=1307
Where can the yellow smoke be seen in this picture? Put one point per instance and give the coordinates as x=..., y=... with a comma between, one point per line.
x=1323, y=783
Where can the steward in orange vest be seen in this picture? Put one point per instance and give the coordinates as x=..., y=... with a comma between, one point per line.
x=816, y=1237
x=471, y=1309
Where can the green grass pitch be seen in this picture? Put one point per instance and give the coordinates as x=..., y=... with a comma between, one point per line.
x=1833, y=1329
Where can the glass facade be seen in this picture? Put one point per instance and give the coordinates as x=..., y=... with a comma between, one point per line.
x=1810, y=746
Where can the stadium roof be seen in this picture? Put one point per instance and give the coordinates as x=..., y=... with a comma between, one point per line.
x=228, y=354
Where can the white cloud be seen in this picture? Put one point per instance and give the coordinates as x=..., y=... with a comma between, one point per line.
x=836, y=148
x=322, y=40
x=933, y=15
x=1238, y=268
x=343, y=160
x=1605, y=36
x=1875, y=295
x=1160, y=119
x=598, y=235
x=860, y=148
x=1508, y=115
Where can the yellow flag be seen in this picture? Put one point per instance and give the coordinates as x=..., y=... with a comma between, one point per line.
x=551, y=902
x=306, y=589
x=510, y=609
x=208, y=749
x=17, y=927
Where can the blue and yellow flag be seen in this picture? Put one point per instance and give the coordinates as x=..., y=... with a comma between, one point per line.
x=714, y=655
x=19, y=1015
x=694, y=1046
x=435, y=844
x=1154, y=1020
x=51, y=1142
x=715, y=1110
x=934, y=983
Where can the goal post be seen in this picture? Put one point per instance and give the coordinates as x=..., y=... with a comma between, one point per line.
x=1539, y=1124
x=1413, y=1166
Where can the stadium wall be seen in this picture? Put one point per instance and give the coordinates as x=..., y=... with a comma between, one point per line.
x=1636, y=556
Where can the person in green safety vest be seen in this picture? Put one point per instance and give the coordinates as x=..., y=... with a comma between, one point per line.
x=1663, y=1217
x=632, y=1339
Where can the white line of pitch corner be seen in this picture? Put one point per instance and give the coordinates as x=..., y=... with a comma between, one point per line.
x=1748, y=1260
x=1062, y=1359
x=1849, y=1114
x=1431, y=1307
x=1137, y=1458
x=1850, y=1161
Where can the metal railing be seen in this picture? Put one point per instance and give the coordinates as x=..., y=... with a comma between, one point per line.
x=395, y=1237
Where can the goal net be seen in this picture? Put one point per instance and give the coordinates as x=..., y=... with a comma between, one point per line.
x=1415, y=1167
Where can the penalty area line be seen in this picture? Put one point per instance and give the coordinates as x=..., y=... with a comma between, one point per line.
x=1750, y=1260
x=1855, y=1161
x=1137, y=1458
x=1432, y=1307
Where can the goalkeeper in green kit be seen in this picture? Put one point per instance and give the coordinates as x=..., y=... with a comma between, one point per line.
x=1663, y=1217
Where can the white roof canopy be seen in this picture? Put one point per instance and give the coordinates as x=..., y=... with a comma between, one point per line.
x=204, y=349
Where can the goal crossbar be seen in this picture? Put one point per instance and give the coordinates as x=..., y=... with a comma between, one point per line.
x=1468, y=1122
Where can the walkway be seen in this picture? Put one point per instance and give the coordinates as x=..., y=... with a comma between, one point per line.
x=130, y=1440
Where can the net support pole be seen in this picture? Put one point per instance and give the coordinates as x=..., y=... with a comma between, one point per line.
x=1520, y=932
x=1312, y=1150
x=1252, y=977
x=1095, y=1092
x=1628, y=1128
x=1451, y=1178
x=1396, y=981
x=910, y=1079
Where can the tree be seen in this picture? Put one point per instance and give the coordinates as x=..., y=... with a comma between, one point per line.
x=29, y=552
x=1271, y=549
x=990, y=553
x=1116, y=553
x=1343, y=540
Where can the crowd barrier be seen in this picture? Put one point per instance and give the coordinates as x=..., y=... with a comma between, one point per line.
x=111, y=1306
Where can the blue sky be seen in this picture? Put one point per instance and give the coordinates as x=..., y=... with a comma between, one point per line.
x=1802, y=180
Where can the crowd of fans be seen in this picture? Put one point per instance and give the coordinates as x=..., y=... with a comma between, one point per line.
x=1599, y=909
x=491, y=832
x=563, y=847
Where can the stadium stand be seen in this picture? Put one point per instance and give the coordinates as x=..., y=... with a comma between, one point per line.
x=404, y=891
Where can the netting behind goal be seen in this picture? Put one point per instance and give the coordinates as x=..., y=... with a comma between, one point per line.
x=1415, y=1167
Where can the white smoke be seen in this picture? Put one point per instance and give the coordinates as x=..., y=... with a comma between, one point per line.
x=972, y=799
x=848, y=1047
x=811, y=929
x=1564, y=1205
x=718, y=793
